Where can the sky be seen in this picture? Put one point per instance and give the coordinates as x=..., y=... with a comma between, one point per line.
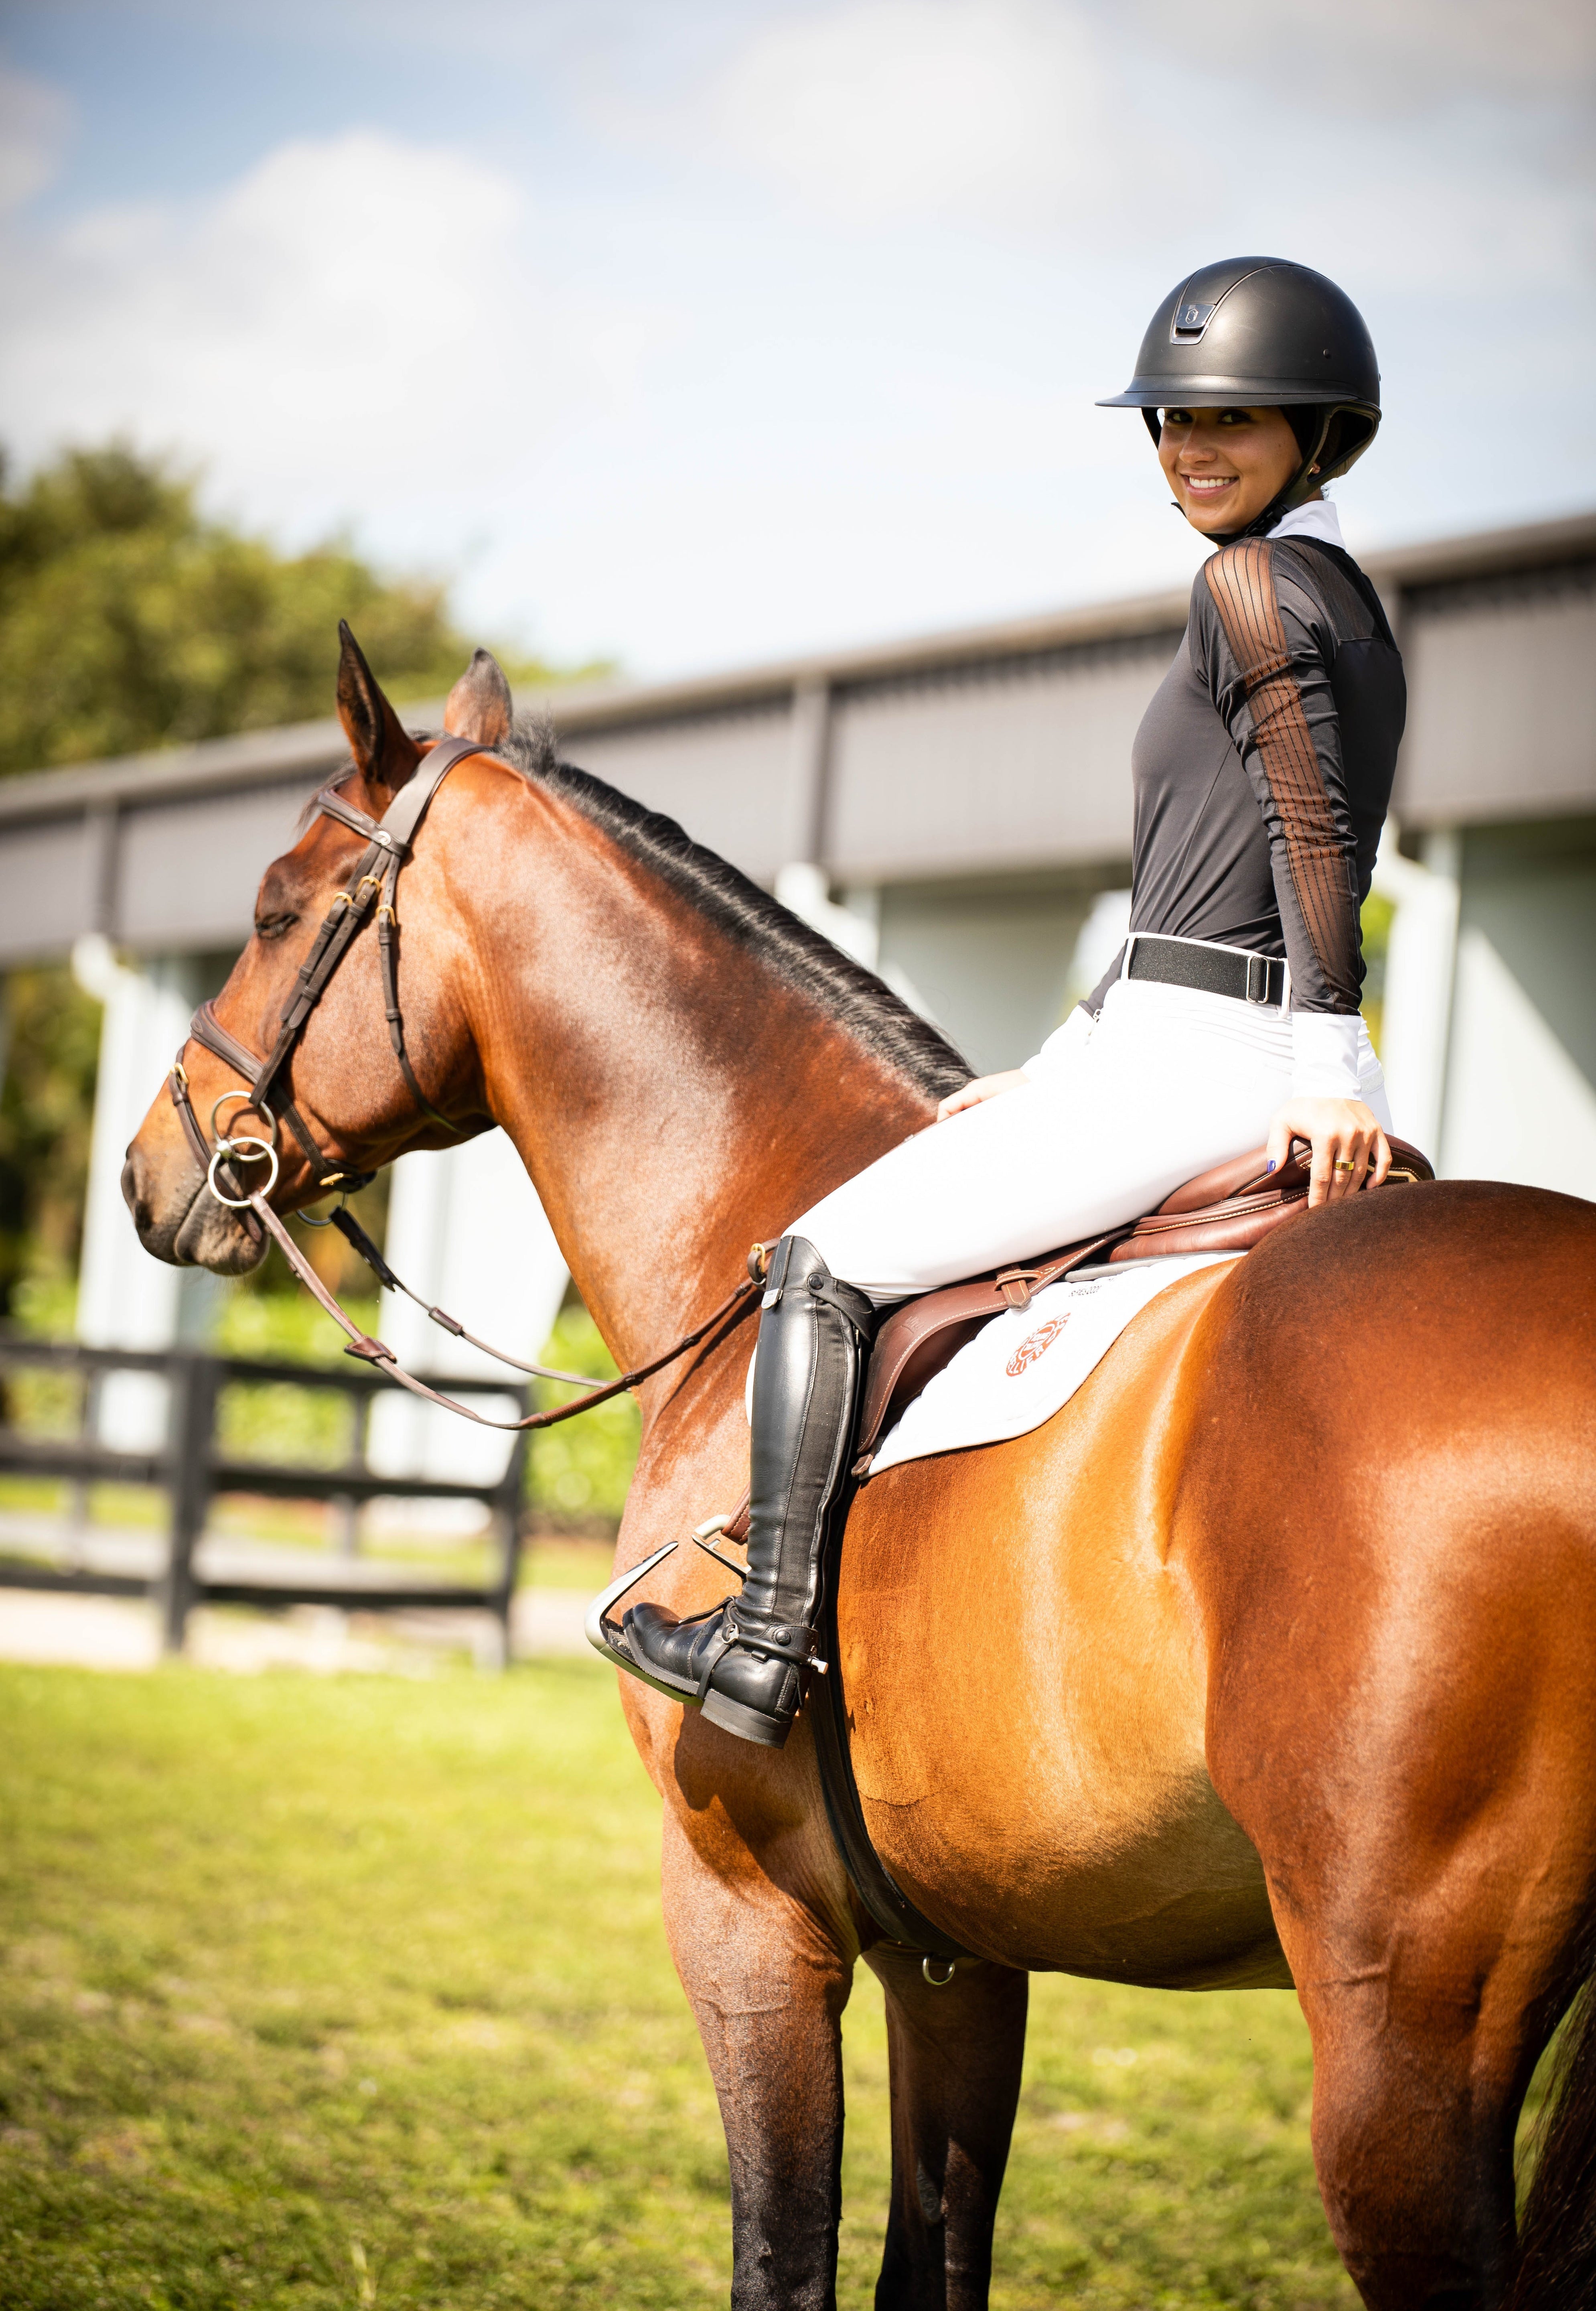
x=690, y=332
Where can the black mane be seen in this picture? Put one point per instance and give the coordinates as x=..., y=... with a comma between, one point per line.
x=800, y=955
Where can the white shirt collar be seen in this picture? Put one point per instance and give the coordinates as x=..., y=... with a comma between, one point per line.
x=1317, y=518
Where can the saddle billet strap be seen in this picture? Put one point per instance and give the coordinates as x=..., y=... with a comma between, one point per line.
x=918, y=1337
x=740, y=1301
x=1019, y=1286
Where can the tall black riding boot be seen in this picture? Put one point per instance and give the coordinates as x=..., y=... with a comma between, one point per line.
x=745, y=1662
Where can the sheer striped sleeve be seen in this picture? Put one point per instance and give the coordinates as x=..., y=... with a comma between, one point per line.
x=1269, y=674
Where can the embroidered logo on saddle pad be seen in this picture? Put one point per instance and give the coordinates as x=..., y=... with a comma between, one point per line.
x=1036, y=1344
x=1004, y=1382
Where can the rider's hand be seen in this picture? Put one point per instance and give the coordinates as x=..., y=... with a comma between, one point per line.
x=1347, y=1140
x=971, y=1094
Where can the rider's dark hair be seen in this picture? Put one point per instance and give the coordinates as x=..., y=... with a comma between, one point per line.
x=1304, y=421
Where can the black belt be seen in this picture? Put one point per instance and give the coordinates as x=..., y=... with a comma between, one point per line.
x=1216, y=970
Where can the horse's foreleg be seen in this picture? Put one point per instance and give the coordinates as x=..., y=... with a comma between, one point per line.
x=954, y=2052
x=767, y=1982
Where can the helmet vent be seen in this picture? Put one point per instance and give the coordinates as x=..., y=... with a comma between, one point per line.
x=1190, y=322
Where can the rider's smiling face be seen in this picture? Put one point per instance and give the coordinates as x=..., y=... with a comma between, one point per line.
x=1226, y=464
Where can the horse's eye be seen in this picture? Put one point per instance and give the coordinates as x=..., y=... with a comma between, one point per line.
x=272, y=927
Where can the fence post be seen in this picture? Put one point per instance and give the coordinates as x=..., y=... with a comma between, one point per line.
x=509, y=1515
x=193, y=1384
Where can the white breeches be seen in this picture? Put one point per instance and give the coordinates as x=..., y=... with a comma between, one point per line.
x=1168, y=1083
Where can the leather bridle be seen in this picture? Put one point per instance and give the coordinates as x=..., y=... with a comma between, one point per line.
x=373, y=886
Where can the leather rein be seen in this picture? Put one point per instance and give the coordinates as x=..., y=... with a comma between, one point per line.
x=372, y=887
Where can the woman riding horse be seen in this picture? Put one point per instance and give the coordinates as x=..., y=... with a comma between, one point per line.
x=1262, y=772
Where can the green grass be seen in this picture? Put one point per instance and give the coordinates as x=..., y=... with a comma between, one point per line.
x=354, y=1993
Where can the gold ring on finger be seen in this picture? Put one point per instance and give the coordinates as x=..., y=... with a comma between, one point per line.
x=1342, y=1164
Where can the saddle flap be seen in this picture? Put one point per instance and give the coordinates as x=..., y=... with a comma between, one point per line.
x=920, y=1337
x=913, y=1345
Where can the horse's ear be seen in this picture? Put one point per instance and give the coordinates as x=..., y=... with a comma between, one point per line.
x=480, y=705
x=383, y=749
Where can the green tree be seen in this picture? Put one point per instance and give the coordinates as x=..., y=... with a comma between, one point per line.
x=129, y=620
x=49, y=1044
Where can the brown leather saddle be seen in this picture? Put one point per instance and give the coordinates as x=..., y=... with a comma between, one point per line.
x=1230, y=1208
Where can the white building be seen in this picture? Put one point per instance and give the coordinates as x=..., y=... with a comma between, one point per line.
x=957, y=811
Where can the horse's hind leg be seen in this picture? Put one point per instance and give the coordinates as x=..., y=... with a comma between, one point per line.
x=1430, y=1872
x=954, y=2052
x=1416, y=2092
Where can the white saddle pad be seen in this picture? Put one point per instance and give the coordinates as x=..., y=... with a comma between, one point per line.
x=1023, y=1366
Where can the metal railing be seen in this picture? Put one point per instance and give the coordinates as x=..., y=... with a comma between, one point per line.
x=193, y=1469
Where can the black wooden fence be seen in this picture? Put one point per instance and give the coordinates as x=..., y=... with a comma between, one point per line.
x=192, y=1469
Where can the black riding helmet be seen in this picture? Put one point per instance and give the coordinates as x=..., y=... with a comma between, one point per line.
x=1261, y=332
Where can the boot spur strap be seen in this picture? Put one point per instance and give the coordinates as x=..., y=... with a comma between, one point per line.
x=717, y=1653
x=775, y=1648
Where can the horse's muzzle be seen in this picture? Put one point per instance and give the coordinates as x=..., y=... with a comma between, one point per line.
x=178, y=1220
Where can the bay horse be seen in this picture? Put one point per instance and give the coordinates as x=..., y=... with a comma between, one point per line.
x=1294, y=1677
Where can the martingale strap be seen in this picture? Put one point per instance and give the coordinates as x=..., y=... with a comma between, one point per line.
x=739, y=1303
x=355, y=1236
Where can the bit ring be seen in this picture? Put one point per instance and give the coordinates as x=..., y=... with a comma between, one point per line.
x=265, y=1153
x=243, y=1098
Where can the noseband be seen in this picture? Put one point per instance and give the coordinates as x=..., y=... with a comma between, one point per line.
x=374, y=884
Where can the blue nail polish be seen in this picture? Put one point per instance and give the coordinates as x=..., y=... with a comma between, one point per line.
x=1270, y=1165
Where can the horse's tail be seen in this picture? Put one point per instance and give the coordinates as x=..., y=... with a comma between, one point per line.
x=1556, y=2268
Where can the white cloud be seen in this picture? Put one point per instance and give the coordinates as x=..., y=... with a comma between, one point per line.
x=34, y=119
x=891, y=109
x=784, y=325
x=1149, y=133
x=337, y=327
x=1376, y=56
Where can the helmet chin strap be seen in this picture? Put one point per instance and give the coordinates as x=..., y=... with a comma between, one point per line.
x=1297, y=491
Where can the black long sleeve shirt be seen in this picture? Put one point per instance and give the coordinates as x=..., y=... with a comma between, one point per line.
x=1263, y=766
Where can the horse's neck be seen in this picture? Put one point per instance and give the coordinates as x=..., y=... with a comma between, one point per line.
x=672, y=1097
